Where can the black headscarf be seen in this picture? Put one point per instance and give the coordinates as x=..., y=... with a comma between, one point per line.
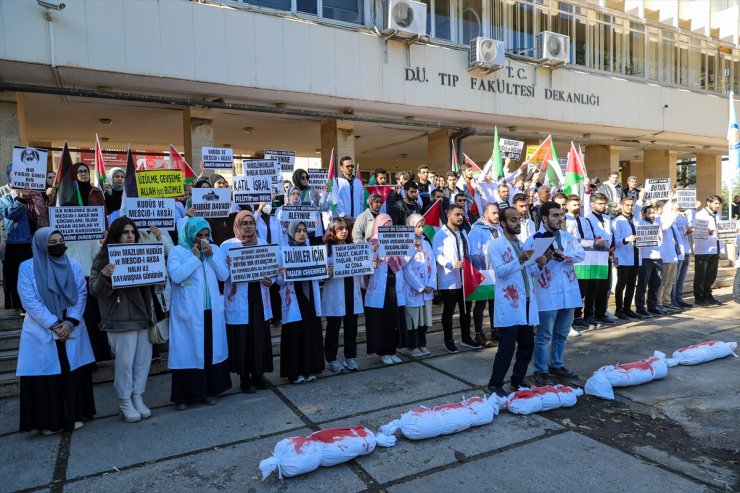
x=297, y=179
x=85, y=187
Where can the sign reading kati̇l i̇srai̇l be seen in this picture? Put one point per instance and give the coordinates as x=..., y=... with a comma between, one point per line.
x=304, y=263
x=396, y=241
x=147, y=213
x=265, y=168
x=211, y=202
x=29, y=168
x=254, y=263
x=352, y=259
x=159, y=184
x=137, y=264
x=78, y=223
x=647, y=235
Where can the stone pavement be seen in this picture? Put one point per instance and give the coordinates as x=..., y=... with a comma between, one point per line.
x=677, y=434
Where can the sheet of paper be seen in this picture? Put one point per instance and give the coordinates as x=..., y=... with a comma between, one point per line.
x=540, y=246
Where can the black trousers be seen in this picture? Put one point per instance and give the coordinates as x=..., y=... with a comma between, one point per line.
x=705, y=273
x=583, y=287
x=597, y=297
x=519, y=338
x=331, y=338
x=450, y=298
x=648, y=279
x=478, y=311
x=625, y=289
x=15, y=255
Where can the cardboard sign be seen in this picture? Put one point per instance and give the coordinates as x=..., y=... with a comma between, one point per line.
x=252, y=190
x=396, y=241
x=159, y=213
x=285, y=158
x=307, y=214
x=78, y=222
x=727, y=230
x=647, y=235
x=686, y=198
x=317, y=178
x=137, y=264
x=29, y=168
x=263, y=168
x=159, y=184
x=304, y=263
x=253, y=263
x=212, y=202
x=512, y=149
x=352, y=259
x=657, y=188
x=530, y=152
x=217, y=158
x=701, y=229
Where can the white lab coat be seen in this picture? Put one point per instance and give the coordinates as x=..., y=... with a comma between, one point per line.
x=332, y=298
x=236, y=311
x=447, y=249
x=37, y=354
x=510, y=302
x=708, y=246
x=624, y=253
x=187, y=273
x=668, y=245
x=375, y=293
x=604, y=231
x=273, y=228
x=347, y=197
x=556, y=287
x=290, y=310
x=419, y=273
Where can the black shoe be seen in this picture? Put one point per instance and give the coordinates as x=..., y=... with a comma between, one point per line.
x=683, y=304
x=247, y=389
x=181, y=406
x=450, y=347
x=562, y=372
x=656, y=311
x=643, y=312
x=702, y=302
x=498, y=390
x=713, y=301
x=541, y=379
x=590, y=322
x=633, y=315
x=260, y=383
x=470, y=343
x=605, y=321
x=578, y=322
x=210, y=401
x=515, y=386
x=621, y=315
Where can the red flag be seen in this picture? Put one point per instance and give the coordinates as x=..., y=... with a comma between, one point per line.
x=472, y=278
x=383, y=190
x=178, y=161
x=332, y=171
x=433, y=220
x=467, y=160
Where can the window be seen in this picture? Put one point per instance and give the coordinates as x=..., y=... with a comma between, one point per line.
x=667, y=57
x=695, y=63
x=565, y=21
x=653, y=57
x=340, y=10
x=272, y=4
x=471, y=19
x=519, y=31
x=442, y=23
x=635, y=50
x=601, y=43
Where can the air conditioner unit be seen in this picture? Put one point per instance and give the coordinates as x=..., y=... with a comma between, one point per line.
x=486, y=53
x=553, y=47
x=405, y=18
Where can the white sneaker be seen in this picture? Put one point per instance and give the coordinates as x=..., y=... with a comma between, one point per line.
x=351, y=364
x=416, y=353
x=396, y=359
x=335, y=367
x=424, y=351
x=574, y=332
x=386, y=359
x=300, y=379
x=311, y=378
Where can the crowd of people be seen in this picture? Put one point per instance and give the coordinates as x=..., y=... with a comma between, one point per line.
x=75, y=317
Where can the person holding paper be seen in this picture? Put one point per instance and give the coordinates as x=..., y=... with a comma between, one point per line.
x=557, y=293
x=627, y=258
x=683, y=230
x=341, y=302
x=670, y=254
x=55, y=355
x=198, y=348
x=598, y=227
x=707, y=252
x=383, y=298
x=16, y=220
x=420, y=281
x=114, y=190
x=293, y=197
x=125, y=315
x=301, y=337
x=651, y=266
x=247, y=310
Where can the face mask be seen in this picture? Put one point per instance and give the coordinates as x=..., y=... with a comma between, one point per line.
x=267, y=208
x=57, y=250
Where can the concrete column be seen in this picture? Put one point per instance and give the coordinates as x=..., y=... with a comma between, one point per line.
x=439, y=154
x=634, y=168
x=12, y=128
x=197, y=128
x=601, y=160
x=708, y=176
x=340, y=136
x=660, y=164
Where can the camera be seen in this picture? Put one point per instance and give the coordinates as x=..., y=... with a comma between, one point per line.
x=51, y=5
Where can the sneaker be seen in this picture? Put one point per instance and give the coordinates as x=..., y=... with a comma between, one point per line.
x=574, y=332
x=713, y=301
x=702, y=302
x=46, y=433
x=562, y=372
x=470, y=343
x=683, y=304
x=633, y=315
x=79, y=424
x=450, y=347
x=656, y=311
x=351, y=364
x=300, y=379
x=579, y=323
x=498, y=390
x=311, y=378
x=643, y=312
x=425, y=351
x=673, y=307
x=396, y=359
x=335, y=367
x=481, y=339
x=541, y=379
x=416, y=353
x=591, y=322
x=622, y=316
x=386, y=359
x=605, y=321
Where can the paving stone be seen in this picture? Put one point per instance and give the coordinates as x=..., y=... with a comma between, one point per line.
x=9, y=415
x=27, y=460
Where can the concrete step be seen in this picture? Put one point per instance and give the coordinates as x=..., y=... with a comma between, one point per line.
x=8, y=359
x=10, y=339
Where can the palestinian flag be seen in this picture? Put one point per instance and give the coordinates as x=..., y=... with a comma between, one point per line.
x=545, y=154
x=68, y=193
x=383, y=190
x=178, y=161
x=130, y=188
x=478, y=285
x=467, y=160
x=333, y=183
x=575, y=172
x=100, y=165
x=498, y=166
x=433, y=220
x=594, y=266
x=454, y=164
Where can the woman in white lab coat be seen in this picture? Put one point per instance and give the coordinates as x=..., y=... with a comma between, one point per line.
x=198, y=349
x=419, y=283
x=55, y=355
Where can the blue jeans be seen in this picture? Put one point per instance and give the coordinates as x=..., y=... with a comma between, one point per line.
x=683, y=269
x=554, y=326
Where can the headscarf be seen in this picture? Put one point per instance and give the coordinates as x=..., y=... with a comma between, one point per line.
x=297, y=178
x=292, y=226
x=190, y=229
x=201, y=181
x=287, y=196
x=414, y=219
x=238, y=234
x=393, y=262
x=113, y=171
x=55, y=280
x=216, y=178
x=85, y=187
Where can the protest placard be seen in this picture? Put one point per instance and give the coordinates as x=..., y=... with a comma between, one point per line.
x=285, y=158
x=352, y=259
x=137, y=264
x=147, y=213
x=307, y=214
x=647, y=235
x=701, y=229
x=657, y=188
x=217, y=157
x=396, y=241
x=727, y=230
x=252, y=190
x=511, y=149
x=530, y=151
x=29, y=168
x=254, y=263
x=212, y=202
x=159, y=184
x=304, y=263
x=262, y=168
x=317, y=178
x=78, y=222
x=686, y=198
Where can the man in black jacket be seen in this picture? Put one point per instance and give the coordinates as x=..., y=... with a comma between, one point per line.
x=408, y=205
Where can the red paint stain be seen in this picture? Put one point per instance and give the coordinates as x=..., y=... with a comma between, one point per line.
x=637, y=365
x=701, y=344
